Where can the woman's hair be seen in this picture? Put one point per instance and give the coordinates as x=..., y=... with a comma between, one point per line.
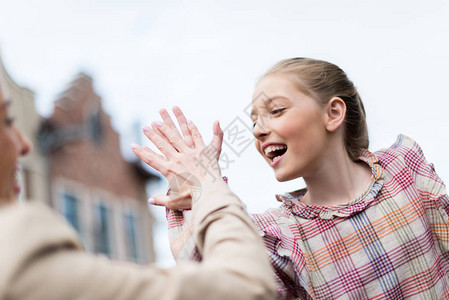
x=322, y=81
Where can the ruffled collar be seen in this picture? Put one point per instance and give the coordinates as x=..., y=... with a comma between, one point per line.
x=292, y=200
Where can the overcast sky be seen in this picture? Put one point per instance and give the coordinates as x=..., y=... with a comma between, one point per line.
x=206, y=57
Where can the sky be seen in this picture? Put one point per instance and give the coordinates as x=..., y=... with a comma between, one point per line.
x=206, y=57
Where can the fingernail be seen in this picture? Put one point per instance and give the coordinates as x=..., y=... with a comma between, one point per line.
x=145, y=128
x=134, y=146
x=151, y=201
x=158, y=123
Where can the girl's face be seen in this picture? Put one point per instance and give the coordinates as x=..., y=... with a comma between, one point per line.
x=289, y=128
x=12, y=146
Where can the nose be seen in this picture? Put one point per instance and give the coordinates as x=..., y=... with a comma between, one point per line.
x=23, y=142
x=261, y=129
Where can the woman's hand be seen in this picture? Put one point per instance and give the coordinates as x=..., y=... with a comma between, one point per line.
x=185, y=163
x=182, y=121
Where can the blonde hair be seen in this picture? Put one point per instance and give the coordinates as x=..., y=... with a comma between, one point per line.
x=322, y=81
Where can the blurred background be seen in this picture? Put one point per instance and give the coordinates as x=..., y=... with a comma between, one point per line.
x=85, y=76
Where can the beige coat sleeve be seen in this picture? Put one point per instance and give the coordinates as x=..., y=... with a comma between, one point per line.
x=40, y=258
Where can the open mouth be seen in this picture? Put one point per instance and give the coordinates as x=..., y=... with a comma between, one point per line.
x=275, y=152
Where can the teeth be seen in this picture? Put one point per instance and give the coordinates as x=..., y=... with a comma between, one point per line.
x=276, y=158
x=274, y=148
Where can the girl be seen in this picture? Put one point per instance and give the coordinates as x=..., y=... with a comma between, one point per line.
x=368, y=225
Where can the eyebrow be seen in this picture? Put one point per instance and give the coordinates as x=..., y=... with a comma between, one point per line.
x=268, y=102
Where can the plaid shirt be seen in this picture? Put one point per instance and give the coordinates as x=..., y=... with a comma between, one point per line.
x=390, y=243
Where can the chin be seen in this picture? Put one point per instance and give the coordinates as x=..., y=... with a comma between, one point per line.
x=8, y=199
x=283, y=177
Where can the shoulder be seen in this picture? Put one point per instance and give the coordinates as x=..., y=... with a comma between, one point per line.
x=27, y=231
x=403, y=148
x=404, y=153
x=21, y=216
x=405, y=157
x=24, y=227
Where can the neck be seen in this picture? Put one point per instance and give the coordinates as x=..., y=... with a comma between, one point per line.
x=337, y=180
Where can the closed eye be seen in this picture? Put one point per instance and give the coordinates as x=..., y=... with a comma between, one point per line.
x=277, y=111
x=273, y=112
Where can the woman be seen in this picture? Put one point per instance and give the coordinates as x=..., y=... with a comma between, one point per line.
x=368, y=225
x=13, y=144
x=41, y=255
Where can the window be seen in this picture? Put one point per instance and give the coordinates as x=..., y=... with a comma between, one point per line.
x=70, y=211
x=102, y=231
x=96, y=129
x=131, y=236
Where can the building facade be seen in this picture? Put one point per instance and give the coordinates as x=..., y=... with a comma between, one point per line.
x=101, y=194
x=76, y=167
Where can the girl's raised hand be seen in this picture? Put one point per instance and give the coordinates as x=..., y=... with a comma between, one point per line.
x=186, y=161
x=182, y=121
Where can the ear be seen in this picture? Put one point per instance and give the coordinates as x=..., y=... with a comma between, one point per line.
x=335, y=113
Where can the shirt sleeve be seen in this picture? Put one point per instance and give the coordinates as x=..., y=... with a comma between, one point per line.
x=282, y=265
x=51, y=266
x=180, y=233
x=410, y=164
x=407, y=156
x=423, y=173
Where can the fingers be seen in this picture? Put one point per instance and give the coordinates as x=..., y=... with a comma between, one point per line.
x=196, y=136
x=217, y=140
x=182, y=121
x=161, y=143
x=173, y=201
x=172, y=136
x=158, y=200
x=150, y=157
x=166, y=137
x=167, y=120
x=190, y=133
